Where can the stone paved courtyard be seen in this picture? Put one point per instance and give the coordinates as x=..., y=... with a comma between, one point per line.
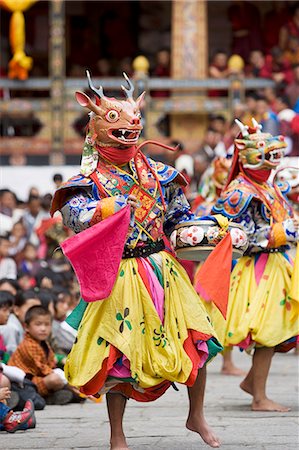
x=160, y=425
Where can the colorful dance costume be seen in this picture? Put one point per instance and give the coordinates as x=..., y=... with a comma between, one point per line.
x=152, y=330
x=263, y=303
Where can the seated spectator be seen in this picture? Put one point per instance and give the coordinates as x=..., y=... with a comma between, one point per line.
x=35, y=356
x=291, y=54
x=61, y=339
x=250, y=108
x=218, y=123
x=13, y=331
x=9, y=213
x=8, y=267
x=6, y=302
x=47, y=298
x=25, y=280
x=30, y=218
x=257, y=66
x=17, y=239
x=11, y=421
x=29, y=262
x=279, y=67
x=10, y=376
x=270, y=95
x=7, y=284
x=162, y=69
x=57, y=180
x=266, y=117
x=212, y=145
x=292, y=90
x=218, y=67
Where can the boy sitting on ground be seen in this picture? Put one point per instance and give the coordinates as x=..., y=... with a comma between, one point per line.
x=35, y=356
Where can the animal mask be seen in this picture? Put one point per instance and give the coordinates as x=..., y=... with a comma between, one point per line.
x=113, y=123
x=259, y=150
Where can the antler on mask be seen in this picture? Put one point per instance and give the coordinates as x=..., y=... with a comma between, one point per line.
x=129, y=92
x=243, y=128
x=98, y=92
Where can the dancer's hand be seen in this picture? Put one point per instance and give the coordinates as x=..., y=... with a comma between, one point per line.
x=296, y=224
x=4, y=393
x=132, y=201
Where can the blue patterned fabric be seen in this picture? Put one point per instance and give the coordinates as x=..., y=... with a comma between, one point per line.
x=4, y=410
x=82, y=200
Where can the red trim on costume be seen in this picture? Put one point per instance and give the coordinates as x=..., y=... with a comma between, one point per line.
x=190, y=347
x=149, y=394
x=95, y=179
x=142, y=273
x=94, y=385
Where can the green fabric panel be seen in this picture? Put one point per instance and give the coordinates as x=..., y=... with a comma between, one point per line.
x=74, y=319
x=214, y=347
x=157, y=271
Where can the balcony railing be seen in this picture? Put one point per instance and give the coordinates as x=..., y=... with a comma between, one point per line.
x=28, y=102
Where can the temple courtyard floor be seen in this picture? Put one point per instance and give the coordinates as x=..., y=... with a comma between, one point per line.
x=161, y=425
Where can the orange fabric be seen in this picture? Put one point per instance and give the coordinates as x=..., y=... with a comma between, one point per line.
x=35, y=360
x=277, y=235
x=97, y=382
x=212, y=280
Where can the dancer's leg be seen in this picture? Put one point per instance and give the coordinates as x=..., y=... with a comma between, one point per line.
x=228, y=366
x=196, y=420
x=260, y=369
x=116, y=404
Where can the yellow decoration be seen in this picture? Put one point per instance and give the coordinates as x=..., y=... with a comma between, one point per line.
x=235, y=63
x=141, y=66
x=20, y=64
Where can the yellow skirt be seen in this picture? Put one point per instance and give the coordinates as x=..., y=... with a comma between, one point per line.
x=260, y=311
x=128, y=321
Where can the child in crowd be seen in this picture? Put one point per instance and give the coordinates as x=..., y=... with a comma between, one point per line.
x=8, y=267
x=13, y=332
x=35, y=356
x=11, y=421
x=17, y=239
x=7, y=284
x=30, y=263
x=61, y=339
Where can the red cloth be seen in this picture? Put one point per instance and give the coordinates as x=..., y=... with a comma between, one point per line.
x=95, y=254
x=213, y=278
x=118, y=155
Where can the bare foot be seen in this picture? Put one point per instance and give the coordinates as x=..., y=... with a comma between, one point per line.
x=246, y=387
x=231, y=369
x=268, y=405
x=201, y=427
x=118, y=444
x=119, y=448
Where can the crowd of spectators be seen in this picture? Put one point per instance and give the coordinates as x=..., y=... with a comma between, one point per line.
x=38, y=290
